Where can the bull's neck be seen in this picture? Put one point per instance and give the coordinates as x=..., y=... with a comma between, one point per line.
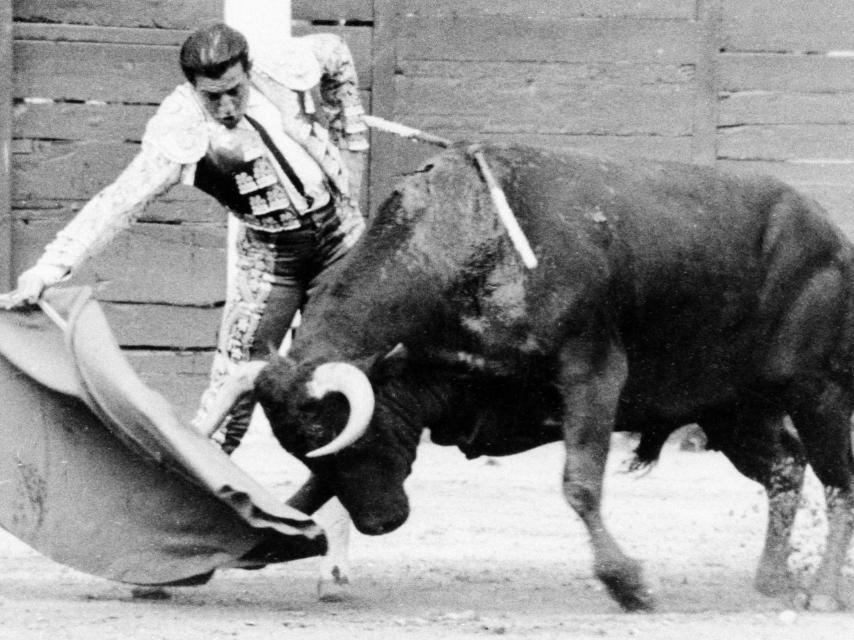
x=438, y=229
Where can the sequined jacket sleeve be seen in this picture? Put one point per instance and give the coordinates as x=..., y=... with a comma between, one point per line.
x=113, y=209
x=339, y=91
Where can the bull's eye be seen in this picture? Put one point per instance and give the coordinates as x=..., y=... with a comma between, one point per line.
x=316, y=435
x=308, y=406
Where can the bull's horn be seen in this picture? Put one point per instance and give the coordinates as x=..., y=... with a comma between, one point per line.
x=237, y=382
x=348, y=380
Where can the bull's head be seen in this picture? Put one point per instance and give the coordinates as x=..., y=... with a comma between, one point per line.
x=324, y=416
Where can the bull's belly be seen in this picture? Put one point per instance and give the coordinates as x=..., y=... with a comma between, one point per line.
x=673, y=401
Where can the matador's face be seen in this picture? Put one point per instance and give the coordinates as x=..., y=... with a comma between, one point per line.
x=226, y=96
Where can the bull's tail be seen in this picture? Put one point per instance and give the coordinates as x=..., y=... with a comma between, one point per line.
x=648, y=451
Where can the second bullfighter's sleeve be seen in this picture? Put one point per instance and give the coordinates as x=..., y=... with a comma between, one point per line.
x=112, y=210
x=339, y=91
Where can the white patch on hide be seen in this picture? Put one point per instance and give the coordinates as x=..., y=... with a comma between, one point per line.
x=475, y=324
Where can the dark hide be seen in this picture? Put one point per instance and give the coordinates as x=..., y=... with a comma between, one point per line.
x=666, y=294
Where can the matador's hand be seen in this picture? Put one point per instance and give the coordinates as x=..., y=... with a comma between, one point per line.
x=31, y=285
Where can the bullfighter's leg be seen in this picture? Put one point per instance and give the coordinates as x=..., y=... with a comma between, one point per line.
x=821, y=413
x=333, y=581
x=316, y=497
x=248, y=305
x=762, y=448
x=592, y=382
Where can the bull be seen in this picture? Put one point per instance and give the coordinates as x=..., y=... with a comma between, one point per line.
x=666, y=294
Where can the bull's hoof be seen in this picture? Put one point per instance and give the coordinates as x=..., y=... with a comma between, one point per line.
x=625, y=585
x=820, y=602
x=150, y=593
x=774, y=583
x=337, y=590
x=637, y=602
x=823, y=603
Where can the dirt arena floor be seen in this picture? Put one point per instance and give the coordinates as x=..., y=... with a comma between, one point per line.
x=491, y=549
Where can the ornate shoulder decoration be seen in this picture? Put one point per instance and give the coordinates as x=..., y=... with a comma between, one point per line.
x=289, y=61
x=178, y=130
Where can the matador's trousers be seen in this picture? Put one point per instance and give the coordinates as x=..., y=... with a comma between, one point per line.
x=275, y=275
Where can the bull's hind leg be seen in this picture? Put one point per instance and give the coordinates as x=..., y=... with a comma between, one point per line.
x=821, y=412
x=591, y=388
x=761, y=447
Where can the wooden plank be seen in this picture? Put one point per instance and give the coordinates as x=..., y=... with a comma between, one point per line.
x=705, y=112
x=786, y=142
x=120, y=13
x=114, y=35
x=786, y=108
x=151, y=263
x=788, y=25
x=91, y=71
x=782, y=72
x=647, y=9
x=163, y=326
x=504, y=38
x=830, y=174
x=333, y=10
x=79, y=121
x=111, y=59
x=558, y=74
x=179, y=376
x=484, y=106
x=68, y=170
x=6, y=240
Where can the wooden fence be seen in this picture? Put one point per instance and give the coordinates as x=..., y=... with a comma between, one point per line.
x=752, y=85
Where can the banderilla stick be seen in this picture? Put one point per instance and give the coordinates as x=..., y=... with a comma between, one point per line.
x=53, y=314
x=505, y=213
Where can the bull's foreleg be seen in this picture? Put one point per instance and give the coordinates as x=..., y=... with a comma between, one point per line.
x=592, y=383
x=316, y=497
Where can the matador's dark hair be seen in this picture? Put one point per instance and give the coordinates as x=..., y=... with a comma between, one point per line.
x=209, y=51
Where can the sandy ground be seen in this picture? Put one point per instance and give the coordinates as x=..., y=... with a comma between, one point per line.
x=491, y=549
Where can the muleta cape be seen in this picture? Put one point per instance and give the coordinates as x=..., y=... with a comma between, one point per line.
x=98, y=473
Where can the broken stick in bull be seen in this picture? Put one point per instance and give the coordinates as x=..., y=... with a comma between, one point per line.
x=499, y=200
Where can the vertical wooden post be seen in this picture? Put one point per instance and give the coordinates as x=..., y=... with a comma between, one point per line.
x=704, y=143
x=383, y=63
x=259, y=20
x=5, y=144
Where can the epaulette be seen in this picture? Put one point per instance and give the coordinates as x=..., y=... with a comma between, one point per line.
x=289, y=61
x=178, y=129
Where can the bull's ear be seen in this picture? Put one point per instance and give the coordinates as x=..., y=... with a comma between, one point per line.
x=399, y=352
x=389, y=365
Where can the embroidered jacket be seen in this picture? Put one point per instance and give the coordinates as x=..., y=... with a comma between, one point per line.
x=182, y=134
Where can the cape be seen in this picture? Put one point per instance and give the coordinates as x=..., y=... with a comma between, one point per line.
x=98, y=473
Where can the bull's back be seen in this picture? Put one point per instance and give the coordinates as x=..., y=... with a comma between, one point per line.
x=695, y=269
